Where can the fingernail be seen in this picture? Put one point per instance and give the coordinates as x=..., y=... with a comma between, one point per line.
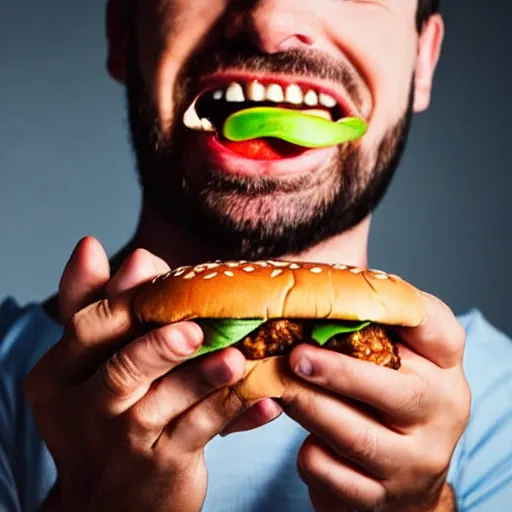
x=218, y=374
x=304, y=367
x=183, y=344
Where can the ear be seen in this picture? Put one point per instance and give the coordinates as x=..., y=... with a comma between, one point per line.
x=429, y=50
x=117, y=27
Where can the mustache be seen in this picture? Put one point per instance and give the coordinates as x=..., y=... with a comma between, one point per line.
x=242, y=55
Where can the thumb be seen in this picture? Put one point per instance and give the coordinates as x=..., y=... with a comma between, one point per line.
x=84, y=278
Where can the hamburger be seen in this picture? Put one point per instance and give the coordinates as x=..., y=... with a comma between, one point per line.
x=266, y=308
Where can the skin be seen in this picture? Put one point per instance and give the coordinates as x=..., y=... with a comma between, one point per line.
x=127, y=422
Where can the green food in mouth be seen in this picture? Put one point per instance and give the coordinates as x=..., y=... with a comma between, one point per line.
x=292, y=126
x=223, y=333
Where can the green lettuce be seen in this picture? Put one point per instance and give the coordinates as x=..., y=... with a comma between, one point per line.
x=323, y=332
x=225, y=332
x=222, y=333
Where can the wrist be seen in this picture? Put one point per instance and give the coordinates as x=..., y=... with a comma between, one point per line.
x=443, y=500
x=446, y=501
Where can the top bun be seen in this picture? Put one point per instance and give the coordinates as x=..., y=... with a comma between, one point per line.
x=279, y=289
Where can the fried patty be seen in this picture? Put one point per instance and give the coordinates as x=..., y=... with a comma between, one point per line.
x=277, y=337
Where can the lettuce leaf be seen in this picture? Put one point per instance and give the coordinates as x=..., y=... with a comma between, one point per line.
x=222, y=333
x=323, y=331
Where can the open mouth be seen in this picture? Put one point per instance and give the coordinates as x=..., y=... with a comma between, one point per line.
x=209, y=111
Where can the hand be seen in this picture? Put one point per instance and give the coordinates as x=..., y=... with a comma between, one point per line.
x=125, y=418
x=383, y=439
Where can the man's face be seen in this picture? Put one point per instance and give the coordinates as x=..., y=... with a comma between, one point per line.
x=264, y=199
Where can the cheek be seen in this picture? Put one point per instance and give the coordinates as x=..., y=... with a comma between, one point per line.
x=170, y=36
x=384, y=53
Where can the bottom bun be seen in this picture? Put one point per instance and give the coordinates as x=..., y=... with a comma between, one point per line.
x=268, y=378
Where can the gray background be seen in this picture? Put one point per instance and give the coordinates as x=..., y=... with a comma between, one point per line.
x=66, y=168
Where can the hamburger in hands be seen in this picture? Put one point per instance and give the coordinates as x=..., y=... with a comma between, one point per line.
x=266, y=308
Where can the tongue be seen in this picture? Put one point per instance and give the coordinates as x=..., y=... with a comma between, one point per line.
x=264, y=148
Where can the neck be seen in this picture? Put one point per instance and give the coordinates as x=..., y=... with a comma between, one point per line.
x=178, y=247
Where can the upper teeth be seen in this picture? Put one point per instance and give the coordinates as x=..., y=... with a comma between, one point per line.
x=311, y=98
x=255, y=91
x=294, y=95
x=235, y=93
x=275, y=93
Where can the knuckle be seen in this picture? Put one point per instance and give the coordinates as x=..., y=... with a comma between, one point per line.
x=144, y=419
x=104, y=312
x=458, y=339
x=203, y=426
x=120, y=373
x=454, y=343
x=231, y=403
x=427, y=461
x=80, y=325
x=435, y=463
x=76, y=327
x=414, y=400
x=364, y=445
x=458, y=401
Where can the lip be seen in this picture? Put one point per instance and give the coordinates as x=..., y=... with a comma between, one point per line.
x=220, y=157
x=223, y=79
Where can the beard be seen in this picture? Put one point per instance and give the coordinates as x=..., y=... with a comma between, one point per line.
x=259, y=217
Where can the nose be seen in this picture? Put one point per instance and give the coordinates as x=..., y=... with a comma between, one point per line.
x=280, y=25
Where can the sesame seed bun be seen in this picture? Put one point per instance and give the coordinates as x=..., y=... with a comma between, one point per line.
x=277, y=289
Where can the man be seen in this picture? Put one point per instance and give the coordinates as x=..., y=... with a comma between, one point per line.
x=110, y=419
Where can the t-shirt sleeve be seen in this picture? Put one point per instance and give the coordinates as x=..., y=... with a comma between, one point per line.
x=27, y=471
x=9, y=499
x=482, y=473
x=8, y=492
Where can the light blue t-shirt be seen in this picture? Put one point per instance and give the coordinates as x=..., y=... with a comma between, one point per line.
x=256, y=471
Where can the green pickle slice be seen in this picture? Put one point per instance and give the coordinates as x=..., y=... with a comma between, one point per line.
x=292, y=126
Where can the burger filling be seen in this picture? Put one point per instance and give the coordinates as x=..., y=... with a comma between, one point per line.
x=258, y=339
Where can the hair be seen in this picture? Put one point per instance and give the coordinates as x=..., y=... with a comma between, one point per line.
x=426, y=8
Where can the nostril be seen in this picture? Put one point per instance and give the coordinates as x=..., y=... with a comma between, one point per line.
x=306, y=39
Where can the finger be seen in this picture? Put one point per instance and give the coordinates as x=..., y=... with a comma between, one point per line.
x=138, y=268
x=177, y=392
x=330, y=477
x=84, y=278
x=94, y=333
x=196, y=427
x=405, y=396
x=440, y=337
x=127, y=376
x=349, y=431
x=259, y=414
x=89, y=338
